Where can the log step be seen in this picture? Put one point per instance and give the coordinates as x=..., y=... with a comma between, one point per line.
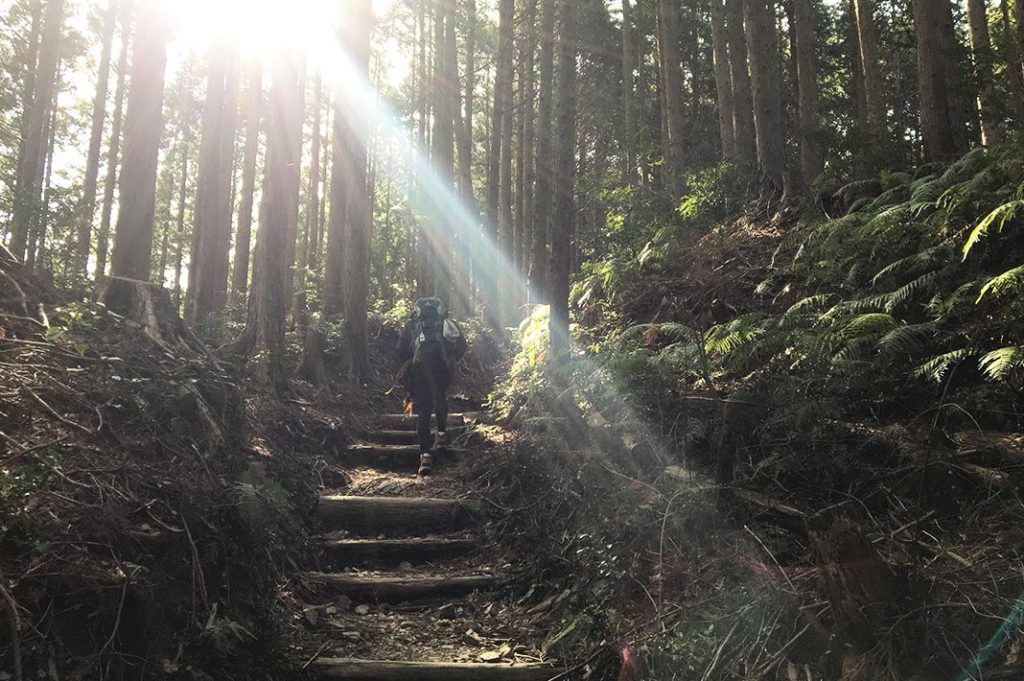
x=344, y=552
x=404, y=588
x=408, y=421
x=406, y=436
x=350, y=669
x=370, y=515
x=394, y=457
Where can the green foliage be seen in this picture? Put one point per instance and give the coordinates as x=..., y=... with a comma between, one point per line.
x=263, y=505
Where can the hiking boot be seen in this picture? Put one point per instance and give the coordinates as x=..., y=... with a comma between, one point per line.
x=425, y=461
x=440, y=439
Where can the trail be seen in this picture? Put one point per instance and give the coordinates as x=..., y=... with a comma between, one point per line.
x=413, y=588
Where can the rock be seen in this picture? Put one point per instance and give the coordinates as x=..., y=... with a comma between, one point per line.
x=490, y=656
x=352, y=635
x=571, y=637
x=311, y=615
x=472, y=638
x=446, y=612
x=405, y=566
x=363, y=609
x=343, y=602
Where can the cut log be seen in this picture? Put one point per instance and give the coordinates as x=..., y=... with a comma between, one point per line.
x=370, y=515
x=393, y=457
x=401, y=589
x=356, y=551
x=408, y=421
x=348, y=669
x=406, y=436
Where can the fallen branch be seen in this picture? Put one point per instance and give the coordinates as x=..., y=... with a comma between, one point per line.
x=14, y=622
x=66, y=421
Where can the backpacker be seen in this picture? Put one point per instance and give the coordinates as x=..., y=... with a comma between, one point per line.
x=432, y=331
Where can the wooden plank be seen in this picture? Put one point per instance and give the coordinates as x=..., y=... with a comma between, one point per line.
x=408, y=421
x=406, y=436
x=404, y=588
x=394, y=457
x=415, y=550
x=370, y=515
x=349, y=669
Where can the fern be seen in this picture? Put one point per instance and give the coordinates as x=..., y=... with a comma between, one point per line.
x=999, y=364
x=904, y=341
x=914, y=262
x=999, y=217
x=1007, y=282
x=870, y=324
x=936, y=368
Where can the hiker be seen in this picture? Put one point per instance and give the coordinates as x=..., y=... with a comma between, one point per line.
x=430, y=345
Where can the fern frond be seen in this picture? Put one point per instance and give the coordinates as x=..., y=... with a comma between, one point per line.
x=999, y=364
x=999, y=217
x=904, y=341
x=915, y=261
x=936, y=368
x=870, y=324
x=1007, y=282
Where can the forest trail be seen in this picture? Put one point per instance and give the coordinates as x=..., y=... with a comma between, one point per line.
x=410, y=588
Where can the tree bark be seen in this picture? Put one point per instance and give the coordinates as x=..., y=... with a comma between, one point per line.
x=671, y=66
x=213, y=200
x=544, y=158
x=30, y=171
x=114, y=146
x=767, y=87
x=92, y=162
x=984, y=59
x=812, y=161
x=743, y=99
x=723, y=80
x=565, y=180
x=527, y=168
x=1010, y=50
x=876, y=129
x=938, y=127
x=179, y=252
x=504, y=89
x=629, y=48
x=243, y=235
x=133, y=236
x=352, y=129
x=313, y=197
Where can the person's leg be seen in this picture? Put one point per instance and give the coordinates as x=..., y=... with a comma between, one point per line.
x=438, y=385
x=423, y=401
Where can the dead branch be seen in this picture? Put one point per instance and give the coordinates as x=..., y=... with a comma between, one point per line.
x=14, y=622
x=66, y=421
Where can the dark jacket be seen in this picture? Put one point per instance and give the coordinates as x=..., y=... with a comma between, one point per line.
x=406, y=349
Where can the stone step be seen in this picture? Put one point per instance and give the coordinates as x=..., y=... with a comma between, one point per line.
x=350, y=669
x=394, y=457
x=406, y=516
x=408, y=421
x=399, y=589
x=346, y=552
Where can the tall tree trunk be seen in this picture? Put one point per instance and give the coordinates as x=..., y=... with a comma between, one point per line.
x=527, y=169
x=295, y=171
x=133, y=236
x=37, y=246
x=243, y=235
x=938, y=127
x=565, y=181
x=812, y=161
x=464, y=141
x=114, y=145
x=30, y=172
x=876, y=130
x=544, y=158
x=723, y=80
x=92, y=162
x=213, y=201
x=858, y=94
x=267, y=304
x=503, y=85
x=743, y=99
x=671, y=66
x=179, y=249
x=767, y=87
x=1010, y=50
x=984, y=59
x=313, y=197
x=354, y=132
x=446, y=98
x=29, y=64
x=629, y=48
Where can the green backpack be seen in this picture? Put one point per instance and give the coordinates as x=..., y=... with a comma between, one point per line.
x=428, y=329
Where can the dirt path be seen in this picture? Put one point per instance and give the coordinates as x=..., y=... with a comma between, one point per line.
x=412, y=588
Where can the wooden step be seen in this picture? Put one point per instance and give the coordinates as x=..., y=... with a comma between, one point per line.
x=343, y=552
x=394, y=457
x=350, y=669
x=388, y=589
x=407, y=437
x=405, y=515
x=408, y=421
